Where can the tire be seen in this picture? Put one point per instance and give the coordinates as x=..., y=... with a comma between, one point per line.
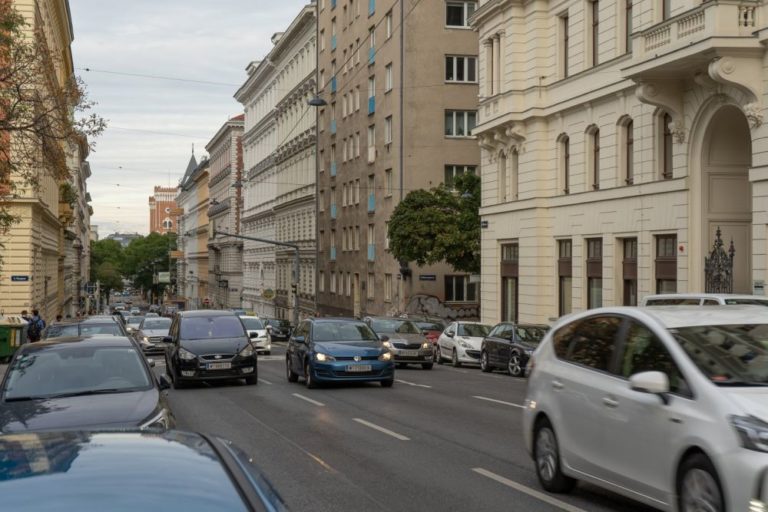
x=292, y=376
x=252, y=381
x=438, y=356
x=426, y=366
x=455, y=359
x=401, y=365
x=515, y=364
x=546, y=457
x=178, y=383
x=485, y=365
x=699, y=486
x=308, y=380
x=387, y=383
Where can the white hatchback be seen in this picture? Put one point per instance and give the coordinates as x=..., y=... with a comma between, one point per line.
x=257, y=332
x=460, y=342
x=668, y=406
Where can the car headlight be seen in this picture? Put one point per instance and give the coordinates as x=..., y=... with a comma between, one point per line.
x=387, y=344
x=186, y=355
x=146, y=339
x=247, y=351
x=319, y=356
x=426, y=345
x=752, y=432
x=263, y=335
x=385, y=356
x=463, y=344
x=160, y=421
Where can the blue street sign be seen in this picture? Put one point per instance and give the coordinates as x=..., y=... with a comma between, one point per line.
x=19, y=279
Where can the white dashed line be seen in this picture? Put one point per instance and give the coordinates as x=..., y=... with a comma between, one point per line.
x=498, y=401
x=307, y=399
x=265, y=381
x=382, y=429
x=413, y=384
x=527, y=490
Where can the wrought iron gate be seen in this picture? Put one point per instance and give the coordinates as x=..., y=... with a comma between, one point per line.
x=718, y=267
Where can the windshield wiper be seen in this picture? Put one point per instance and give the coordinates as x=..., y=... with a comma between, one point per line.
x=86, y=393
x=740, y=383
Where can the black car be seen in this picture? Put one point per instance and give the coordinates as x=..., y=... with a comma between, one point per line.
x=509, y=346
x=82, y=383
x=209, y=345
x=92, y=326
x=279, y=330
x=128, y=472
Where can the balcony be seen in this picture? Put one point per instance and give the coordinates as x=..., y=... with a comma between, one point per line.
x=333, y=42
x=371, y=55
x=333, y=169
x=671, y=49
x=333, y=84
x=333, y=126
x=333, y=211
x=333, y=254
x=371, y=203
x=371, y=105
x=371, y=252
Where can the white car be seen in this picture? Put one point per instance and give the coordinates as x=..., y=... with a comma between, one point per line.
x=668, y=406
x=460, y=342
x=257, y=331
x=703, y=299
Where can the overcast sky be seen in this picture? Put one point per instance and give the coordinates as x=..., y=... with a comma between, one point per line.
x=153, y=122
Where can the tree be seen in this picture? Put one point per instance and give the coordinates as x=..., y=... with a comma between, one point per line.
x=105, y=251
x=441, y=224
x=146, y=255
x=109, y=277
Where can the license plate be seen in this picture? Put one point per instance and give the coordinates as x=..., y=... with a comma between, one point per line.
x=409, y=353
x=358, y=368
x=219, y=366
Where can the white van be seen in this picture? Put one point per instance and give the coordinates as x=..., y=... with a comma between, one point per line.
x=703, y=299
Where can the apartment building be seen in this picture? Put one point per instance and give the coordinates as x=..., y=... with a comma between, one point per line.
x=396, y=120
x=162, y=204
x=193, y=234
x=225, y=255
x=618, y=137
x=279, y=166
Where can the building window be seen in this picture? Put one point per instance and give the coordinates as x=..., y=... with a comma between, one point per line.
x=459, y=289
x=321, y=282
x=593, y=136
x=388, y=24
x=321, y=202
x=357, y=191
x=565, y=273
x=357, y=98
x=628, y=26
x=333, y=282
x=371, y=143
x=386, y=235
x=510, y=255
x=388, y=77
x=457, y=13
x=370, y=289
x=451, y=171
x=357, y=238
x=565, y=163
x=387, y=287
x=666, y=264
x=388, y=130
x=594, y=40
x=629, y=271
x=666, y=146
x=322, y=40
x=564, y=43
x=502, y=174
x=460, y=68
x=357, y=144
x=460, y=123
x=349, y=284
x=514, y=171
x=666, y=9
x=626, y=145
x=594, y=273
x=344, y=195
x=388, y=182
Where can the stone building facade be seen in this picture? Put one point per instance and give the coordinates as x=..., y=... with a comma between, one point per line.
x=617, y=137
x=192, y=236
x=162, y=204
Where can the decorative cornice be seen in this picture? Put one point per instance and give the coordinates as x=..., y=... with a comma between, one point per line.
x=220, y=176
x=260, y=167
x=219, y=208
x=297, y=93
x=296, y=145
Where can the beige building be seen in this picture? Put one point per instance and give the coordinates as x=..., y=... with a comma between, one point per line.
x=278, y=149
x=617, y=136
x=396, y=120
x=225, y=255
x=192, y=267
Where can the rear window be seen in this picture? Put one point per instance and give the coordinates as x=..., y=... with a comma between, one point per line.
x=750, y=302
x=474, y=330
x=212, y=327
x=673, y=302
x=397, y=326
x=252, y=324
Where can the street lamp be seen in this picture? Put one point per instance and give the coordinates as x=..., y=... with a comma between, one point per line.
x=317, y=101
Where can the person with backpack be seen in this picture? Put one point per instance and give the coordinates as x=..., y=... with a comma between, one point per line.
x=36, y=326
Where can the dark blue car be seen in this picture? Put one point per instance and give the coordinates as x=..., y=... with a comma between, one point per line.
x=128, y=472
x=338, y=350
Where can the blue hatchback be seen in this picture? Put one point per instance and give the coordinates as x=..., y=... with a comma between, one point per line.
x=338, y=350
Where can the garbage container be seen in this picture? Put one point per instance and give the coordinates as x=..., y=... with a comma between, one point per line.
x=13, y=332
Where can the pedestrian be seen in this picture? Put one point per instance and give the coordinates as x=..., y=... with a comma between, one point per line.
x=36, y=326
x=59, y=317
x=25, y=315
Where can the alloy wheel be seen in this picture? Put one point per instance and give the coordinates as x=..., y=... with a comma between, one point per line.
x=455, y=359
x=700, y=492
x=546, y=454
x=515, y=365
x=484, y=365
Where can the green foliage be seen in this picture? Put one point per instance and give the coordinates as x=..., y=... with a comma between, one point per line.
x=105, y=251
x=67, y=194
x=146, y=255
x=441, y=224
x=109, y=276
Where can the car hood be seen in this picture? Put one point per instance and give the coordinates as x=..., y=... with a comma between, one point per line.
x=370, y=348
x=118, y=410
x=155, y=332
x=215, y=346
x=475, y=341
x=405, y=338
x=752, y=401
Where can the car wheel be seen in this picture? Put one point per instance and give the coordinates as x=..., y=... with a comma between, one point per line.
x=455, y=359
x=699, y=486
x=426, y=366
x=387, y=383
x=485, y=366
x=292, y=376
x=546, y=455
x=308, y=380
x=178, y=383
x=515, y=365
x=252, y=381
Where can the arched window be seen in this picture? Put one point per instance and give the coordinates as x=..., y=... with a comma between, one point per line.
x=167, y=224
x=514, y=164
x=593, y=155
x=626, y=150
x=502, y=170
x=664, y=144
x=564, y=164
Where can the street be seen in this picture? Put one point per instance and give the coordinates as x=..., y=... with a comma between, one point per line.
x=445, y=439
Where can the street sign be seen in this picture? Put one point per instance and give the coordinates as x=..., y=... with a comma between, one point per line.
x=427, y=277
x=268, y=294
x=164, y=277
x=19, y=279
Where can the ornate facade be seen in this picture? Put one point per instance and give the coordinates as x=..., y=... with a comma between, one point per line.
x=162, y=204
x=192, y=236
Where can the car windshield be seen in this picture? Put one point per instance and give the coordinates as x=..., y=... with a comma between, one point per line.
x=751, y=302
x=429, y=326
x=393, y=325
x=347, y=332
x=531, y=334
x=134, y=320
x=474, y=330
x=74, y=369
x=728, y=354
x=284, y=324
x=252, y=324
x=156, y=324
x=59, y=331
x=211, y=327
x=678, y=301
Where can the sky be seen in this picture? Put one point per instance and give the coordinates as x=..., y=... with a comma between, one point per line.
x=153, y=122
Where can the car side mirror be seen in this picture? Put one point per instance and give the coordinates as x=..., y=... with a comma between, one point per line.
x=269, y=328
x=656, y=383
x=163, y=381
x=151, y=362
x=299, y=339
x=450, y=334
x=253, y=335
x=167, y=339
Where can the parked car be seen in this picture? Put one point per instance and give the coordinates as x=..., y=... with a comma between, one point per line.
x=132, y=323
x=129, y=471
x=508, y=347
x=104, y=325
x=151, y=333
x=238, y=311
x=257, y=332
x=663, y=405
x=279, y=330
x=338, y=350
x=135, y=311
x=209, y=345
x=151, y=315
x=82, y=383
x=406, y=341
x=703, y=299
x=461, y=342
x=432, y=327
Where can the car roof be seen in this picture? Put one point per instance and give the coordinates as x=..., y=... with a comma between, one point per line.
x=412, y=320
x=335, y=319
x=98, y=319
x=672, y=317
x=704, y=296
x=252, y=317
x=93, y=339
x=205, y=313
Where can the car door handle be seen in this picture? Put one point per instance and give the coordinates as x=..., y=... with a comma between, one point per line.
x=610, y=402
x=557, y=384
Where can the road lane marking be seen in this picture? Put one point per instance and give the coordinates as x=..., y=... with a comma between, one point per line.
x=498, y=401
x=527, y=490
x=307, y=399
x=265, y=381
x=413, y=384
x=382, y=429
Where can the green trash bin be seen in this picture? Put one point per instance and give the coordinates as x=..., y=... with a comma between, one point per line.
x=13, y=332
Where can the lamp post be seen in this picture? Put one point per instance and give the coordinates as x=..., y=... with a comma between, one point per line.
x=317, y=102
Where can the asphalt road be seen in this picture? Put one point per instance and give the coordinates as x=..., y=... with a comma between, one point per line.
x=446, y=439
